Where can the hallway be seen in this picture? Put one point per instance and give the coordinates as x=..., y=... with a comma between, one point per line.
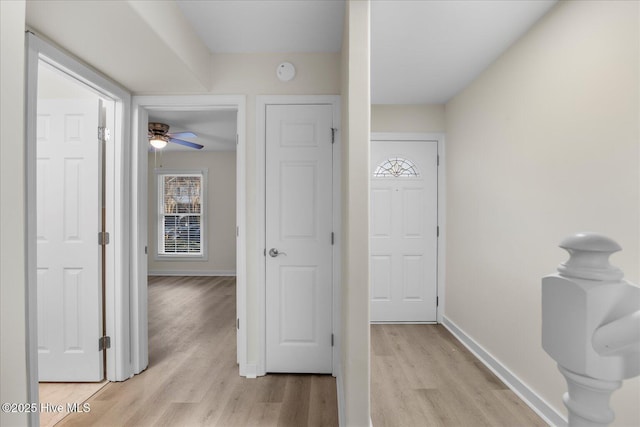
x=193, y=380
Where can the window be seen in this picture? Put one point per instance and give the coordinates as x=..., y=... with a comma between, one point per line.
x=396, y=167
x=180, y=214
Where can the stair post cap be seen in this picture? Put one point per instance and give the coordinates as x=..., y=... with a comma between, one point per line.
x=589, y=257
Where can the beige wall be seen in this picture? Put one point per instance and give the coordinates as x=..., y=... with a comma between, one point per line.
x=13, y=357
x=220, y=211
x=408, y=118
x=542, y=145
x=355, y=340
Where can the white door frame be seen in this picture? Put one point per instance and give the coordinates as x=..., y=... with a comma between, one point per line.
x=141, y=107
x=439, y=138
x=117, y=175
x=261, y=108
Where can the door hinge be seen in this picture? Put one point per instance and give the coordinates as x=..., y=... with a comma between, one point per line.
x=333, y=135
x=103, y=238
x=437, y=301
x=238, y=323
x=438, y=231
x=237, y=231
x=146, y=250
x=237, y=139
x=104, y=134
x=104, y=343
x=333, y=238
x=438, y=160
x=331, y=340
x=265, y=251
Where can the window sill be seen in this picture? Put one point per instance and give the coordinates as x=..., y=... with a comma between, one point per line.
x=185, y=257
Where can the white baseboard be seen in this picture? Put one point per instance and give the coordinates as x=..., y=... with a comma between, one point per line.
x=192, y=273
x=250, y=371
x=528, y=396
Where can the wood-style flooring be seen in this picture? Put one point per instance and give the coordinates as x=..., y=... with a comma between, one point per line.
x=193, y=380
x=422, y=376
x=56, y=394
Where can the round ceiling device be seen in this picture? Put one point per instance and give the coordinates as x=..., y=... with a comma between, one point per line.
x=286, y=71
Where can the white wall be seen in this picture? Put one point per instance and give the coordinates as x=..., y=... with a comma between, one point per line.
x=543, y=144
x=355, y=340
x=220, y=211
x=13, y=357
x=425, y=118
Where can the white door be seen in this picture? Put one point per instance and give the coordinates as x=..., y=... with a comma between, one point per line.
x=298, y=238
x=68, y=254
x=404, y=219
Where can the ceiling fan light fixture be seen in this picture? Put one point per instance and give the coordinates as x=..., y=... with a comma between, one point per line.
x=158, y=142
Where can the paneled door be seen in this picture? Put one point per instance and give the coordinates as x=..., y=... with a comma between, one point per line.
x=68, y=253
x=403, y=231
x=299, y=238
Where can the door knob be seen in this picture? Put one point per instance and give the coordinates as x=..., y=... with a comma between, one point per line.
x=274, y=252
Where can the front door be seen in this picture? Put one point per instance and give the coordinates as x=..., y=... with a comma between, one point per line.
x=404, y=219
x=68, y=255
x=299, y=238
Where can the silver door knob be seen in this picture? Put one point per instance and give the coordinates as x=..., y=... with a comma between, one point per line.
x=274, y=252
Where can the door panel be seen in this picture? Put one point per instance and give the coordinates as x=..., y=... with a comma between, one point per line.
x=68, y=254
x=403, y=231
x=299, y=225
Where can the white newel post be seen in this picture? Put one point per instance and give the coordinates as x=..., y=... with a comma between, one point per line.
x=591, y=327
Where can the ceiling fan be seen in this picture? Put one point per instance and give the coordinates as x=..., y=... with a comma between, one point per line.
x=159, y=136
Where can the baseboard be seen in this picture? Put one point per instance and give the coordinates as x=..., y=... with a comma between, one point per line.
x=192, y=273
x=528, y=396
x=249, y=371
x=340, y=395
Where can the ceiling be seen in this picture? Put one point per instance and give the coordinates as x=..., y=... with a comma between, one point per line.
x=251, y=26
x=215, y=129
x=422, y=51
x=425, y=52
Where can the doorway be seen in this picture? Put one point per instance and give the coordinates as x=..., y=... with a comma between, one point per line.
x=145, y=109
x=74, y=200
x=298, y=171
x=69, y=181
x=405, y=229
x=299, y=238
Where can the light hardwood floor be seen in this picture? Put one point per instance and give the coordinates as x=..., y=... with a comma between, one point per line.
x=422, y=376
x=56, y=394
x=193, y=380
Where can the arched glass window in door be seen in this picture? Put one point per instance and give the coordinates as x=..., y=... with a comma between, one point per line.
x=396, y=167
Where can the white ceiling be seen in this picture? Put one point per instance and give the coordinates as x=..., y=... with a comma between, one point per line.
x=250, y=26
x=425, y=52
x=422, y=51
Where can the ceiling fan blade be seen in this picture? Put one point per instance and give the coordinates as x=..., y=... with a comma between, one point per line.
x=182, y=135
x=186, y=143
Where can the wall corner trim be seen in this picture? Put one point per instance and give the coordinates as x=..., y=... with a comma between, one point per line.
x=340, y=395
x=250, y=371
x=521, y=389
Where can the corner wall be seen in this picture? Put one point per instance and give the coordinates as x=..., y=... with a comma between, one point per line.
x=545, y=143
x=353, y=380
x=13, y=328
